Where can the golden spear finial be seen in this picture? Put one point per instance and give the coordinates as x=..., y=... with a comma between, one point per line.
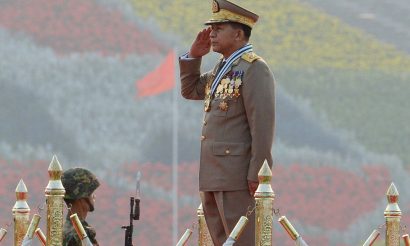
x=392, y=214
x=204, y=238
x=54, y=196
x=264, y=197
x=21, y=213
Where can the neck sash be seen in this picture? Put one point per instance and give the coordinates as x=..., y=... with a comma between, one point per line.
x=231, y=59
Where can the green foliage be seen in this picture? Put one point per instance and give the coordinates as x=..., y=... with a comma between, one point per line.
x=359, y=83
x=288, y=33
x=373, y=103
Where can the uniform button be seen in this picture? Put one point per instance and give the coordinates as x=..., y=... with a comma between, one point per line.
x=202, y=138
x=204, y=123
x=227, y=151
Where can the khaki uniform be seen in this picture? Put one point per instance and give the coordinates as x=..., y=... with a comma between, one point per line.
x=237, y=136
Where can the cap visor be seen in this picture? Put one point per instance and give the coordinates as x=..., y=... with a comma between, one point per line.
x=213, y=21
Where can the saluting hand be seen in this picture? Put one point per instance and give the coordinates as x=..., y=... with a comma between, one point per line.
x=202, y=44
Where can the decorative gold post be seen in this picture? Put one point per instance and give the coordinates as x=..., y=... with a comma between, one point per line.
x=21, y=213
x=3, y=233
x=54, y=197
x=392, y=215
x=204, y=238
x=264, y=197
x=184, y=239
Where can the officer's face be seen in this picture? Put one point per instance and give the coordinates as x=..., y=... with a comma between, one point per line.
x=224, y=38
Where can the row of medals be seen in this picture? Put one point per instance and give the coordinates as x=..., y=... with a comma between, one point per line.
x=228, y=88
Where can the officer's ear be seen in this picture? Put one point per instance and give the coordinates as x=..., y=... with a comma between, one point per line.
x=237, y=35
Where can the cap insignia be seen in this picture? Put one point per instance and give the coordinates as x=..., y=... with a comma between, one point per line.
x=215, y=7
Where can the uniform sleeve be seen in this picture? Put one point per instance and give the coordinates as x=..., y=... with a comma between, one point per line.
x=91, y=233
x=72, y=240
x=259, y=102
x=192, y=82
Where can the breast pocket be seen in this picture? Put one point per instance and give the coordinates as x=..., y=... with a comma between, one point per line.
x=228, y=148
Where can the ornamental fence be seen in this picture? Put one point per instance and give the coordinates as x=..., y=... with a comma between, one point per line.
x=265, y=217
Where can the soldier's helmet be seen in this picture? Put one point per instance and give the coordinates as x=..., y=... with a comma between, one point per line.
x=79, y=183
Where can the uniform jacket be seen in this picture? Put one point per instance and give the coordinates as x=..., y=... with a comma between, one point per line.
x=71, y=238
x=235, y=141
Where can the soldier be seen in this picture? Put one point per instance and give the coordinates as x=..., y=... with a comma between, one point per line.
x=80, y=185
x=238, y=125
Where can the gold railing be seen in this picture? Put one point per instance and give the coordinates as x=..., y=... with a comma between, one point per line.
x=264, y=216
x=54, y=198
x=392, y=215
x=23, y=228
x=264, y=197
x=204, y=239
x=264, y=212
x=21, y=213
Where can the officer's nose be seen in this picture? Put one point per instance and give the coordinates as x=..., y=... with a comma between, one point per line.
x=212, y=34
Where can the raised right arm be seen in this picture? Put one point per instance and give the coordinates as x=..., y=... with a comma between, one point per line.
x=192, y=82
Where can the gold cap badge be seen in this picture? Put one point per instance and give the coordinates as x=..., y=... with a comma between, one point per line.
x=225, y=11
x=215, y=7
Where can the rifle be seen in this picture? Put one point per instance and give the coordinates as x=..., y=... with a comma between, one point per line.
x=134, y=214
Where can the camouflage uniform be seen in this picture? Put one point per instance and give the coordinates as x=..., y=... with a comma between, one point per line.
x=70, y=235
x=78, y=183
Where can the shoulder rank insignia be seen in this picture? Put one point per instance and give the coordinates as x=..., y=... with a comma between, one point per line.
x=250, y=57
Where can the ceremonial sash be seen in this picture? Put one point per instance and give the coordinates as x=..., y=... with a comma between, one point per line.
x=231, y=59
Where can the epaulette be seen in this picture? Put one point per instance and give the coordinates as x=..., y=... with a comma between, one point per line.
x=250, y=57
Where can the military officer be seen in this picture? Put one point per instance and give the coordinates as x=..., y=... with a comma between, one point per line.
x=80, y=185
x=239, y=118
